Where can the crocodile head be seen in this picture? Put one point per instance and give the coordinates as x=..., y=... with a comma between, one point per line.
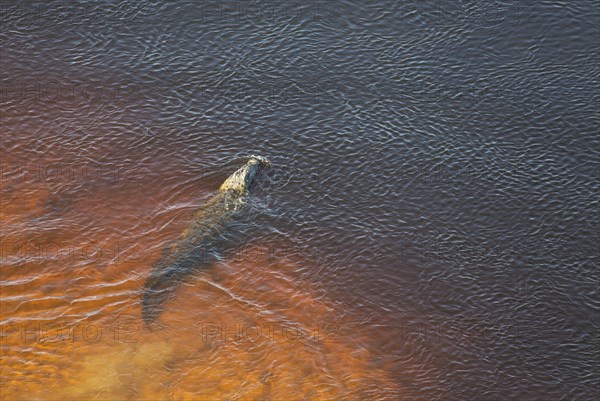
x=241, y=179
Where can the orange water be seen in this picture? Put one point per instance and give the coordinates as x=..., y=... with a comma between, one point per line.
x=75, y=255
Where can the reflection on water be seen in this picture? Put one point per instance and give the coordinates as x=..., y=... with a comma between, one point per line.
x=247, y=328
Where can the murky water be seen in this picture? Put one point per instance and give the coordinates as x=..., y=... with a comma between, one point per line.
x=428, y=230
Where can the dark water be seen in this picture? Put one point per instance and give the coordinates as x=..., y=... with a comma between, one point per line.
x=433, y=199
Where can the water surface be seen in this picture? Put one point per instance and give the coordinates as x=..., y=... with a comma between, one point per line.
x=429, y=229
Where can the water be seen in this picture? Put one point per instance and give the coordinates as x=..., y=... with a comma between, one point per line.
x=428, y=230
